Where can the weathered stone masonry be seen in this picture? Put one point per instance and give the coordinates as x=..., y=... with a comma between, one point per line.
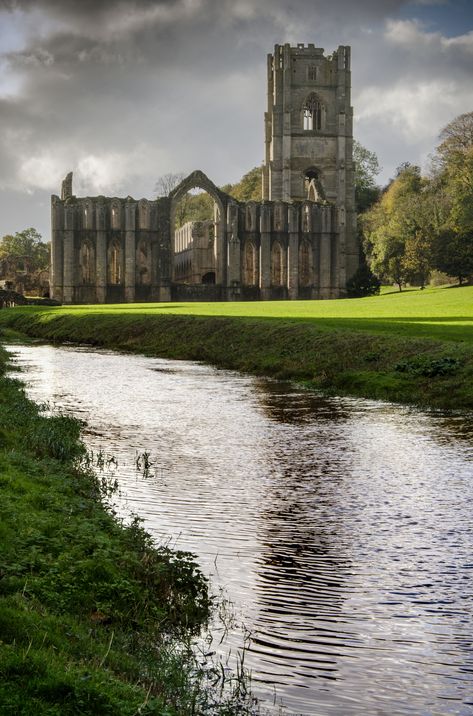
x=299, y=242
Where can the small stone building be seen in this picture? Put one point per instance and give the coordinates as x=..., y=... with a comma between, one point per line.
x=298, y=242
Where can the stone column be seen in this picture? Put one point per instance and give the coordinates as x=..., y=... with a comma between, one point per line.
x=293, y=259
x=265, y=253
x=56, y=275
x=101, y=256
x=68, y=288
x=130, y=252
x=233, y=252
x=325, y=254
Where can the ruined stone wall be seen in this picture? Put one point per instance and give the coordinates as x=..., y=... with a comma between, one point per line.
x=121, y=250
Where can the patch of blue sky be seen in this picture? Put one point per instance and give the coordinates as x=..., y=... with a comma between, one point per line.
x=449, y=17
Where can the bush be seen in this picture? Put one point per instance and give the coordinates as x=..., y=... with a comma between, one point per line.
x=363, y=283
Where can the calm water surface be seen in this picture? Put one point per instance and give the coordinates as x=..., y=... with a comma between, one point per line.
x=342, y=529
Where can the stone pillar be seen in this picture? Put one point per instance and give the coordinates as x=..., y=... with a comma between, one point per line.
x=325, y=254
x=265, y=253
x=293, y=259
x=56, y=275
x=130, y=252
x=220, y=244
x=234, y=255
x=101, y=255
x=68, y=288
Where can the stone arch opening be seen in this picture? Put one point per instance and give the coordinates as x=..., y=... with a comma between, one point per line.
x=250, y=264
x=313, y=114
x=143, y=263
x=306, y=264
x=114, y=264
x=197, y=231
x=87, y=263
x=313, y=188
x=278, y=264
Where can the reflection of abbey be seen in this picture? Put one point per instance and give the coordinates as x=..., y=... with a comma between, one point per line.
x=299, y=242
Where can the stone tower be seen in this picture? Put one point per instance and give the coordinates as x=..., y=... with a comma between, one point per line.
x=309, y=140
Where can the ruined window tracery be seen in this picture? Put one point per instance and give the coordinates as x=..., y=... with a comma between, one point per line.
x=313, y=114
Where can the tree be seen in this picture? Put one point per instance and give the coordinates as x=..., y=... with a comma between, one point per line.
x=26, y=245
x=363, y=283
x=456, y=138
x=453, y=173
x=366, y=170
x=391, y=224
x=167, y=182
x=248, y=188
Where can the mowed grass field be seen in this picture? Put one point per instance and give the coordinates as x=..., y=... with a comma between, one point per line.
x=413, y=347
x=444, y=313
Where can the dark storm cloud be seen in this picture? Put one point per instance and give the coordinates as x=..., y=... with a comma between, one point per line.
x=122, y=92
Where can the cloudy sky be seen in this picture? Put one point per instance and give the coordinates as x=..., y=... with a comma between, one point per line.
x=123, y=91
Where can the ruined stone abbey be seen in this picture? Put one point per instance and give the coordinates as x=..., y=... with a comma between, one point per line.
x=299, y=242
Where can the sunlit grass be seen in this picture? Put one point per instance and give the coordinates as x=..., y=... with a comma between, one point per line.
x=444, y=313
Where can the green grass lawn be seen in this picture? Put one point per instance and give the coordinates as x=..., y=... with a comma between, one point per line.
x=414, y=346
x=444, y=313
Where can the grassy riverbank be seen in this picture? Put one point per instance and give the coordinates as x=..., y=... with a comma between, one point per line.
x=94, y=620
x=414, y=347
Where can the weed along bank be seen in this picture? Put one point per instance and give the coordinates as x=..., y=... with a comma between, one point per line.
x=300, y=241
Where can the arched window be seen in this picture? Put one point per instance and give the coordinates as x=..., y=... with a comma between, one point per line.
x=116, y=215
x=250, y=268
x=114, y=264
x=305, y=264
x=312, y=72
x=313, y=188
x=143, y=263
x=313, y=114
x=144, y=213
x=278, y=265
x=87, y=263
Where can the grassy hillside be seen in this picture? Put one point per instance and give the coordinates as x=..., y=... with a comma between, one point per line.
x=441, y=313
x=412, y=347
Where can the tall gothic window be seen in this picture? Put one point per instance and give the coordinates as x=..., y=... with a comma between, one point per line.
x=250, y=273
x=143, y=263
x=86, y=262
x=277, y=265
x=313, y=114
x=114, y=264
x=312, y=72
x=305, y=264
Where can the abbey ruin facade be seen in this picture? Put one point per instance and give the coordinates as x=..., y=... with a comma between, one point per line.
x=298, y=242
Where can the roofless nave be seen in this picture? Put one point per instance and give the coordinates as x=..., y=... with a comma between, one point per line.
x=299, y=242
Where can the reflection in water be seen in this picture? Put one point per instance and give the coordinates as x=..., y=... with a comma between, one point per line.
x=340, y=528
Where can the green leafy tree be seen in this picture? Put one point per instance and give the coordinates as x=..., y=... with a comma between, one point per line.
x=391, y=224
x=248, y=188
x=366, y=170
x=26, y=245
x=453, y=173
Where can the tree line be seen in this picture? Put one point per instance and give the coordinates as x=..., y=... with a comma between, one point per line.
x=419, y=224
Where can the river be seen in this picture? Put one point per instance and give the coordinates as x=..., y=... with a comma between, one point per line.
x=341, y=529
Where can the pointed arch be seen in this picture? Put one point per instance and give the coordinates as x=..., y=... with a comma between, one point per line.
x=114, y=263
x=278, y=264
x=313, y=113
x=250, y=264
x=87, y=263
x=306, y=264
x=143, y=263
